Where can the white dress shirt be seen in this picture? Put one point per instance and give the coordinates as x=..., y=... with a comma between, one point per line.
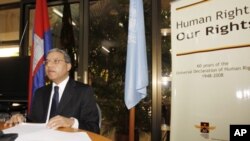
x=61, y=86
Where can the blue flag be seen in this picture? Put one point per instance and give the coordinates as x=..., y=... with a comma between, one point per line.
x=136, y=80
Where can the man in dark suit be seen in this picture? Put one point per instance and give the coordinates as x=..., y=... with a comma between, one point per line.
x=76, y=107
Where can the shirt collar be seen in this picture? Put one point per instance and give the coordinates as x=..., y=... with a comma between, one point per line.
x=61, y=85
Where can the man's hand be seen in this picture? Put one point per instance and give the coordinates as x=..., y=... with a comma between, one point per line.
x=60, y=121
x=14, y=120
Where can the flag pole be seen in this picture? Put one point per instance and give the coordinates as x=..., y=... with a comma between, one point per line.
x=136, y=76
x=132, y=124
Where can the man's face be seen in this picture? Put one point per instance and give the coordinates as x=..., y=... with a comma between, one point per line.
x=56, y=68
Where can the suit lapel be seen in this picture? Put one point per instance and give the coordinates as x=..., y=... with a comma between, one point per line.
x=47, y=99
x=66, y=96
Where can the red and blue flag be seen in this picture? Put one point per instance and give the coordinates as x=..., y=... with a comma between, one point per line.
x=41, y=44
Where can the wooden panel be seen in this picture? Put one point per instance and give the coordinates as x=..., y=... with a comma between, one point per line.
x=8, y=1
x=9, y=24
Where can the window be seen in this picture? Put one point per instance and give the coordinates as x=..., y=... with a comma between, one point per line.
x=108, y=33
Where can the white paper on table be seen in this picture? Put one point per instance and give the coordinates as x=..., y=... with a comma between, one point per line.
x=39, y=132
x=26, y=128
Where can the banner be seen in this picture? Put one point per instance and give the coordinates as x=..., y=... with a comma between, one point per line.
x=42, y=43
x=211, y=68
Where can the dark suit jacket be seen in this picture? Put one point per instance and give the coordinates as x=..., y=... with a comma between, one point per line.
x=77, y=101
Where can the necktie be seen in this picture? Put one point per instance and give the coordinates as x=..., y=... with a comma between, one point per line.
x=55, y=101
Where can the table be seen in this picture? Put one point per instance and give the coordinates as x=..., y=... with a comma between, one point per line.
x=93, y=136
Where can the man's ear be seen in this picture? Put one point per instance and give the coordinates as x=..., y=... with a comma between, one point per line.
x=69, y=66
